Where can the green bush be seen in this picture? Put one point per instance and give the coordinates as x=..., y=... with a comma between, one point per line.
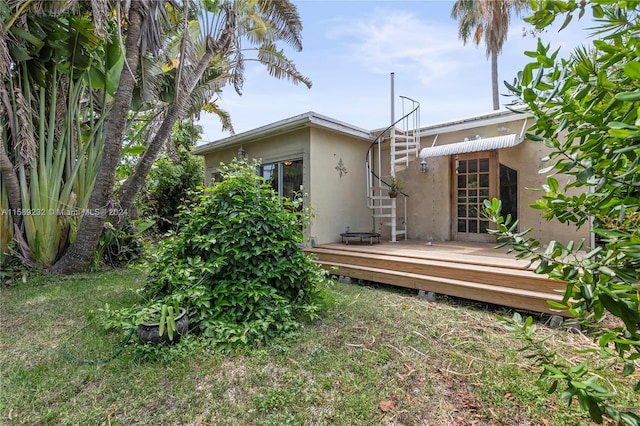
x=237, y=262
x=169, y=188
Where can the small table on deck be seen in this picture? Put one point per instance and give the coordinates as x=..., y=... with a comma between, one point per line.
x=360, y=235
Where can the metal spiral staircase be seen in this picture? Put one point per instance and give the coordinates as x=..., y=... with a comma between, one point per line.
x=404, y=145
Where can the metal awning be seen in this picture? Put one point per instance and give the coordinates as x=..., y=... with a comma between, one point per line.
x=474, y=145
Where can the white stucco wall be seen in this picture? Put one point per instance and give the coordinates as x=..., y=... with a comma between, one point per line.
x=338, y=201
x=429, y=216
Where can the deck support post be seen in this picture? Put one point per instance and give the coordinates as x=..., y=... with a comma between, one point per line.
x=429, y=296
x=555, y=321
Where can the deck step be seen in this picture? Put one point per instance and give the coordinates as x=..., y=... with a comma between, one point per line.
x=481, y=273
x=472, y=278
x=506, y=296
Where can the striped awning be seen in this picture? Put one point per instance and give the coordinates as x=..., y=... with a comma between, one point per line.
x=475, y=145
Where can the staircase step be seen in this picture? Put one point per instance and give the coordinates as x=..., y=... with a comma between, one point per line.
x=406, y=145
x=406, y=151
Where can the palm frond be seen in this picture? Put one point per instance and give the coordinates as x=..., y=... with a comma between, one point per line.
x=155, y=17
x=279, y=66
x=150, y=79
x=225, y=118
x=237, y=71
x=486, y=19
x=282, y=15
x=203, y=93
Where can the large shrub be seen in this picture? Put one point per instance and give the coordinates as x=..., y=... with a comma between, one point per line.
x=587, y=111
x=169, y=188
x=236, y=262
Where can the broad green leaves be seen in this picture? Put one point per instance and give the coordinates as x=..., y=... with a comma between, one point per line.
x=586, y=111
x=236, y=263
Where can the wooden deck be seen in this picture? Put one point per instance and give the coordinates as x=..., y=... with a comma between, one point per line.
x=474, y=271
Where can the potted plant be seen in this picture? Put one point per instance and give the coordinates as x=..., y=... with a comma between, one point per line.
x=394, y=187
x=162, y=323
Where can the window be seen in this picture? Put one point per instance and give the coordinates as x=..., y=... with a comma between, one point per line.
x=285, y=177
x=214, y=176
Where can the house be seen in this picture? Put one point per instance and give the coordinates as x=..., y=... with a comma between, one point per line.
x=311, y=155
x=446, y=170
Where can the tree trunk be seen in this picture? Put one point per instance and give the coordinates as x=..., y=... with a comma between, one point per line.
x=129, y=190
x=494, y=80
x=11, y=183
x=131, y=187
x=79, y=254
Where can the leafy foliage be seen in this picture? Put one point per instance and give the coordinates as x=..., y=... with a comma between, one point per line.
x=586, y=110
x=51, y=126
x=173, y=180
x=236, y=263
x=118, y=248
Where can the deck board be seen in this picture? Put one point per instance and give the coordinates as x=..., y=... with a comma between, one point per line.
x=468, y=253
x=474, y=271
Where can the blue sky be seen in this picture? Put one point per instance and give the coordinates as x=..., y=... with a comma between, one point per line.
x=350, y=49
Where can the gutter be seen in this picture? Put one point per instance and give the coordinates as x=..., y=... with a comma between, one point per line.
x=308, y=119
x=497, y=117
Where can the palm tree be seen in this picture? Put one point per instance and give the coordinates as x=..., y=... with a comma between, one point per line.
x=50, y=125
x=261, y=23
x=488, y=19
x=204, y=40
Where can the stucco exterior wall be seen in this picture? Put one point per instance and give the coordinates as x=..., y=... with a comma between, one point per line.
x=429, y=201
x=338, y=201
x=429, y=204
x=526, y=158
x=293, y=145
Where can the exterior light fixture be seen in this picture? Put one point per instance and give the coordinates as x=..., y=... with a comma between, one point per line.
x=423, y=165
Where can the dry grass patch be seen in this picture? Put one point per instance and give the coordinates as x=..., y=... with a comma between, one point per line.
x=378, y=355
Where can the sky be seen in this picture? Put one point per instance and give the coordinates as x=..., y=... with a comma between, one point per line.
x=351, y=47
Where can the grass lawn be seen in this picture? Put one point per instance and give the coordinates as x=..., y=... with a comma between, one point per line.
x=378, y=356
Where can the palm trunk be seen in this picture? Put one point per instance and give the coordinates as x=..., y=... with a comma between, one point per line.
x=130, y=189
x=11, y=183
x=494, y=80
x=79, y=254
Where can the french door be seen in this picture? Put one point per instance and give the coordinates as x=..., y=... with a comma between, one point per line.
x=475, y=178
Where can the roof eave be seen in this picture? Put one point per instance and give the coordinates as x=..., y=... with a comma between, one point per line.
x=496, y=117
x=309, y=119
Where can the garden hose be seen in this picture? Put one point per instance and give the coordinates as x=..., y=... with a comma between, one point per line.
x=92, y=361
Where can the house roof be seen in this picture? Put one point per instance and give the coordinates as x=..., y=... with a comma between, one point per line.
x=495, y=117
x=308, y=119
